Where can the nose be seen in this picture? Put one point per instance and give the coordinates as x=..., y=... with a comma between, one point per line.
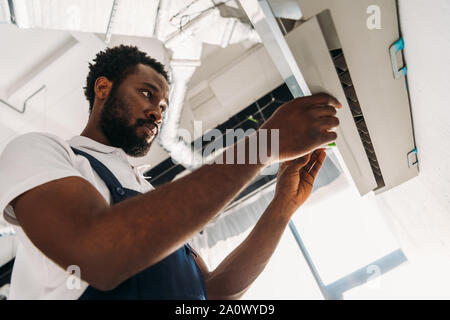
x=154, y=115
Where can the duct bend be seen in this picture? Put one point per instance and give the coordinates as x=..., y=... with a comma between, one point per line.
x=180, y=151
x=186, y=45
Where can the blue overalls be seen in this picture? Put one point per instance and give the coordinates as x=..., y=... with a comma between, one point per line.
x=175, y=277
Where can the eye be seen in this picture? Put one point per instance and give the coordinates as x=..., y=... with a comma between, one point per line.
x=147, y=93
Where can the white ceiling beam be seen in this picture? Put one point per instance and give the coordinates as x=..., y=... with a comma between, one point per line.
x=111, y=21
x=287, y=9
x=261, y=15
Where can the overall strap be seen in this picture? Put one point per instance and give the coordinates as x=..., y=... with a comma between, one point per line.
x=115, y=187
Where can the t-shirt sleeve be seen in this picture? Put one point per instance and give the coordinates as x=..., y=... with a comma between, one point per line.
x=28, y=161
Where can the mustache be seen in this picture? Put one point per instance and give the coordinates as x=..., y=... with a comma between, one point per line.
x=141, y=122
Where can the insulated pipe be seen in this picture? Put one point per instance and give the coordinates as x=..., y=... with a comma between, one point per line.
x=161, y=17
x=186, y=48
x=170, y=141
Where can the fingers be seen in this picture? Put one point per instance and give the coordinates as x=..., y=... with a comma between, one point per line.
x=299, y=162
x=311, y=162
x=309, y=172
x=327, y=123
x=327, y=137
x=321, y=155
x=323, y=111
x=323, y=99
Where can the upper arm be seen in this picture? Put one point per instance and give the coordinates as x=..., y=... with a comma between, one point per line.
x=206, y=275
x=28, y=161
x=51, y=201
x=55, y=217
x=212, y=288
x=202, y=265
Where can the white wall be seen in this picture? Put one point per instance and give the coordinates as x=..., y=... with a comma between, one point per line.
x=419, y=210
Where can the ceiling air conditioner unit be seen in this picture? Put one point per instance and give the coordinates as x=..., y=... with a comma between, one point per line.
x=342, y=51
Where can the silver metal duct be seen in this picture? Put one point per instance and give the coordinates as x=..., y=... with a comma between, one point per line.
x=185, y=42
x=5, y=14
x=169, y=139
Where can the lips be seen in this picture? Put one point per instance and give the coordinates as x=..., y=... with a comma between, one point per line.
x=152, y=128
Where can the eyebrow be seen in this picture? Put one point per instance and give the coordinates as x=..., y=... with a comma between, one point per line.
x=151, y=86
x=154, y=88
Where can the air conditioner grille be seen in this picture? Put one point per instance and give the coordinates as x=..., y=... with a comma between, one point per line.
x=355, y=108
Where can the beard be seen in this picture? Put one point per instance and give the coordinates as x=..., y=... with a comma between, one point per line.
x=114, y=123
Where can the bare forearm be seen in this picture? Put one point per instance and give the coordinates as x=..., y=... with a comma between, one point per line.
x=242, y=266
x=141, y=231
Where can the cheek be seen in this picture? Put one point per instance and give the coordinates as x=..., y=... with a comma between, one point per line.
x=129, y=110
x=134, y=104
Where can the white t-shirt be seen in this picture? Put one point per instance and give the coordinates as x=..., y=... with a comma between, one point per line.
x=33, y=159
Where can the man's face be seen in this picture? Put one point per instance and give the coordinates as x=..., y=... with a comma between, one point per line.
x=132, y=113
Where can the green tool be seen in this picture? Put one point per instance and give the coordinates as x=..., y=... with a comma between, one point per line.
x=252, y=119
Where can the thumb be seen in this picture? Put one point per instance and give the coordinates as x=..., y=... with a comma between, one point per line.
x=295, y=164
x=302, y=161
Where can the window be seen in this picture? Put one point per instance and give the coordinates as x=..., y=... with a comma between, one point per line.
x=345, y=239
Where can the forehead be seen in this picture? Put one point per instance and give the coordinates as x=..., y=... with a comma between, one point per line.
x=146, y=74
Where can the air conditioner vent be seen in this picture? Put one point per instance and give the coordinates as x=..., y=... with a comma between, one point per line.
x=345, y=78
x=339, y=61
x=355, y=108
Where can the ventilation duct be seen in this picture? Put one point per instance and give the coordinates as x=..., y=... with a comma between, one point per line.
x=169, y=138
x=204, y=25
x=5, y=15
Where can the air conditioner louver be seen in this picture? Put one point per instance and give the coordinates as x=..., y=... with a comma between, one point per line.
x=355, y=108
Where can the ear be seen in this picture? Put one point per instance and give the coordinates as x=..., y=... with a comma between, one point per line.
x=102, y=87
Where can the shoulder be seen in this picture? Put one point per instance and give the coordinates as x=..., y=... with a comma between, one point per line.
x=30, y=160
x=35, y=141
x=36, y=147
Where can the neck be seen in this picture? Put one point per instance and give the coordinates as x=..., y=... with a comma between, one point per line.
x=93, y=131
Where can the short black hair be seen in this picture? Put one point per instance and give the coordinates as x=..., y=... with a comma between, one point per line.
x=116, y=64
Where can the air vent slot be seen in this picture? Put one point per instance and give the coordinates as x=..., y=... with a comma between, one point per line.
x=355, y=108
